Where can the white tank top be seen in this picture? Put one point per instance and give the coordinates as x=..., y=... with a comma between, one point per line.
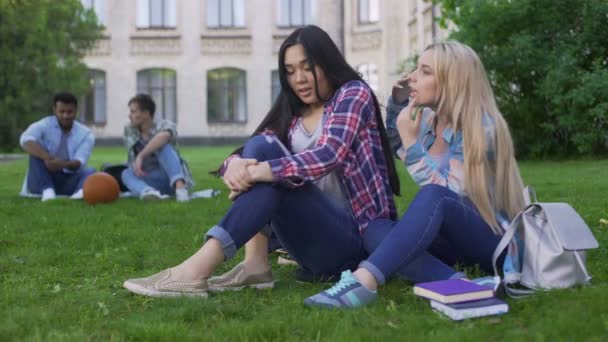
x=330, y=184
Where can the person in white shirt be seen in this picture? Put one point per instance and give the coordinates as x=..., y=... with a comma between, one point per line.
x=58, y=148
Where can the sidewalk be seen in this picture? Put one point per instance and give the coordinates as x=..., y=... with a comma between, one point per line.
x=5, y=158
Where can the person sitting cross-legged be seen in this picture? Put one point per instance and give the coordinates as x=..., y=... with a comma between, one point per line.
x=58, y=148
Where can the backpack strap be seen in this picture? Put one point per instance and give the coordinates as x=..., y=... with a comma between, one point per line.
x=529, y=195
x=511, y=278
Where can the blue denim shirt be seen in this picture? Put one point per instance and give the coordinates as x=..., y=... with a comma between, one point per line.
x=47, y=132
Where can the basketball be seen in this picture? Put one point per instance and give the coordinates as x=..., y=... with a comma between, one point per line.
x=100, y=187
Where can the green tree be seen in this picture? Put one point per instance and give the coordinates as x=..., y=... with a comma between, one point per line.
x=42, y=43
x=548, y=62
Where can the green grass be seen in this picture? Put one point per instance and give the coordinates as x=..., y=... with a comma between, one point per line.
x=62, y=264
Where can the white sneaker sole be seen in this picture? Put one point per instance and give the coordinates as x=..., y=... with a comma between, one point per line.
x=262, y=286
x=140, y=290
x=285, y=261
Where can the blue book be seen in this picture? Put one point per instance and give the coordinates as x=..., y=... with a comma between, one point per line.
x=453, y=291
x=466, y=310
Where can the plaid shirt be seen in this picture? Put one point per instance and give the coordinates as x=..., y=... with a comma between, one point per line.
x=132, y=136
x=350, y=143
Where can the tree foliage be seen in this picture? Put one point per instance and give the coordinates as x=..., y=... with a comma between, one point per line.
x=42, y=43
x=548, y=62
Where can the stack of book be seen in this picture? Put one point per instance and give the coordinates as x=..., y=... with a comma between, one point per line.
x=461, y=299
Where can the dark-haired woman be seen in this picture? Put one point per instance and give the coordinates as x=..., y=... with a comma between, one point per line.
x=318, y=169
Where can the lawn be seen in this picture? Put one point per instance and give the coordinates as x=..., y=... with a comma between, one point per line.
x=62, y=264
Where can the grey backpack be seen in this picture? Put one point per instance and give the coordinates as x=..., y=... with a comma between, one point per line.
x=550, y=240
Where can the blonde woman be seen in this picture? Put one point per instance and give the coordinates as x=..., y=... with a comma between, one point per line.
x=459, y=150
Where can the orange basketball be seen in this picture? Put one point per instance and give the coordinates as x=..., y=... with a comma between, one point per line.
x=100, y=187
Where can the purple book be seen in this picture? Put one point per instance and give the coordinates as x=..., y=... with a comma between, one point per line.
x=453, y=291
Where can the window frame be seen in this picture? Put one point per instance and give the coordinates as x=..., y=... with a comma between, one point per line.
x=99, y=8
x=161, y=106
x=306, y=4
x=222, y=90
x=364, y=12
x=275, y=84
x=84, y=116
x=233, y=15
x=168, y=15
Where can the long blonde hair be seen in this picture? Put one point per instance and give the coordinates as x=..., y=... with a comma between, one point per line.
x=464, y=97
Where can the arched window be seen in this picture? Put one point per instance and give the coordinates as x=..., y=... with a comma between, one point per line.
x=161, y=85
x=93, y=108
x=226, y=95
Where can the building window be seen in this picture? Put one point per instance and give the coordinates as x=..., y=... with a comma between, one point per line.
x=226, y=95
x=156, y=14
x=225, y=13
x=369, y=11
x=275, y=84
x=293, y=13
x=369, y=73
x=93, y=108
x=98, y=6
x=161, y=85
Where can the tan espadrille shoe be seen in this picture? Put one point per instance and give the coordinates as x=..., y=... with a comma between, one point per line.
x=238, y=279
x=161, y=285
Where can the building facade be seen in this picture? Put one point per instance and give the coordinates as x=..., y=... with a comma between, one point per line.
x=211, y=65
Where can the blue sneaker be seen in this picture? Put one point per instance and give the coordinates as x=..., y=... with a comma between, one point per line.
x=491, y=282
x=347, y=293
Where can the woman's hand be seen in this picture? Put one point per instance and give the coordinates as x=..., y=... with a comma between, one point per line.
x=401, y=90
x=408, y=124
x=237, y=177
x=260, y=172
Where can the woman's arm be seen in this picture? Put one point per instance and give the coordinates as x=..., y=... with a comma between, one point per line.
x=352, y=110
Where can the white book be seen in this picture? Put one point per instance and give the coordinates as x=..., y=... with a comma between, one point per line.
x=478, y=308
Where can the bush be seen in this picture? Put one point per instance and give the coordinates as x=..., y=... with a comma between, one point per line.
x=548, y=63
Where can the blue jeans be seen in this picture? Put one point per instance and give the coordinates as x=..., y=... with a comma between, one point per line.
x=317, y=233
x=438, y=230
x=162, y=179
x=40, y=178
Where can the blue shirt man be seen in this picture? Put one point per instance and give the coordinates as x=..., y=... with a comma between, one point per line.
x=59, y=148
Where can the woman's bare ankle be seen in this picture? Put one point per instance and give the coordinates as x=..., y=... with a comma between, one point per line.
x=256, y=265
x=366, y=279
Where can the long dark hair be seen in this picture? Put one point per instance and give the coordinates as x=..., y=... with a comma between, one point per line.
x=320, y=51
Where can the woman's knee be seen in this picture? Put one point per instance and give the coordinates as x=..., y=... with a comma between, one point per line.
x=435, y=191
x=264, y=147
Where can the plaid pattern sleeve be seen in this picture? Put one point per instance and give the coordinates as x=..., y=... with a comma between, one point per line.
x=348, y=111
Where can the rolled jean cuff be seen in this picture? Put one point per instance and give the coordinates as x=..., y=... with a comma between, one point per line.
x=375, y=271
x=224, y=238
x=267, y=230
x=176, y=178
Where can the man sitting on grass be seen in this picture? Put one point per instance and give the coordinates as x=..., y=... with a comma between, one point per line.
x=59, y=149
x=155, y=167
